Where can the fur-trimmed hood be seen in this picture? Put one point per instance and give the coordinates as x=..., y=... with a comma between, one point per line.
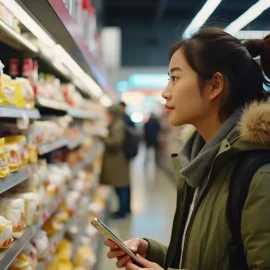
x=254, y=125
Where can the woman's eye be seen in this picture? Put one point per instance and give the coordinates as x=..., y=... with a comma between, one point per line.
x=173, y=78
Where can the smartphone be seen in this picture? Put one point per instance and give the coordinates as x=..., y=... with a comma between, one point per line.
x=108, y=234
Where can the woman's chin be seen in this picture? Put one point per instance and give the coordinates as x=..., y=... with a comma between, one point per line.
x=176, y=121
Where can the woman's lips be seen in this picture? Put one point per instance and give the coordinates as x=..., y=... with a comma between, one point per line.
x=168, y=109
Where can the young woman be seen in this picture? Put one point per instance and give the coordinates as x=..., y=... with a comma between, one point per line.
x=216, y=86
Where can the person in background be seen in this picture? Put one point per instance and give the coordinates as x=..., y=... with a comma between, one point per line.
x=115, y=168
x=125, y=116
x=151, y=133
x=130, y=125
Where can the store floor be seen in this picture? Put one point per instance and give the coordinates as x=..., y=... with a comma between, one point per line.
x=153, y=204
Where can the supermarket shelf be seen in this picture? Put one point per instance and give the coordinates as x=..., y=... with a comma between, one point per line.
x=57, y=238
x=13, y=112
x=51, y=146
x=82, y=114
x=51, y=104
x=14, y=39
x=17, y=177
x=74, y=143
x=8, y=256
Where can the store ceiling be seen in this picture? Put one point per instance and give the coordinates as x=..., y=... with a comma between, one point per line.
x=150, y=26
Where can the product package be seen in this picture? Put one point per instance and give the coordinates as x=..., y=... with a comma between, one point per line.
x=13, y=147
x=21, y=263
x=31, y=206
x=4, y=168
x=26, y=260
x=24, y=92
x=85, y=257
x=5, y=233
x=41, y=244
x=13, y=209
x=7, y=91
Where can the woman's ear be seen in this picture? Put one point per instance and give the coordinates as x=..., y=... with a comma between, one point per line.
x=216, y=84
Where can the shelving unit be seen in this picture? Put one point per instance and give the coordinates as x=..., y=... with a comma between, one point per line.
x=74, y=143
x=77, y=67
x=17, y=177
x=8, y=256
x=82, y=114
x=48, y=147
x=10, y=112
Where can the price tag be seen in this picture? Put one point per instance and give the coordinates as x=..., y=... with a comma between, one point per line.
x=23, y=122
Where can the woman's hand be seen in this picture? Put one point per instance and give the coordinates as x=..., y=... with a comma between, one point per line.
x=137, y=246
x=145, y=265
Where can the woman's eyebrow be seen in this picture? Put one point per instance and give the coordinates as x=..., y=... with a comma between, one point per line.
x=175, y=69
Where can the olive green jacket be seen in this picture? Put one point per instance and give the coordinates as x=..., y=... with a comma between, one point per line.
x=208, y=237
x=115, y=167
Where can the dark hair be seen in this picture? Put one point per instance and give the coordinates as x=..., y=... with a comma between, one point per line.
x=122, y=103
x=212, y=50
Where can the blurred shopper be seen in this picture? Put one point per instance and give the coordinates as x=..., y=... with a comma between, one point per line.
x=151, y=134
x=125, y=116
x=216, y=86
x=115, y=170
x=131, y=142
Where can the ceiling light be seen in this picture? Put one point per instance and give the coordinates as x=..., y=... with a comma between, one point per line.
x=28, y=22
x=252, y=13
x=148, y=80
x=137, y=117
x=105, y=101
x=201, y=17
x=251, y=34
x=19, y=37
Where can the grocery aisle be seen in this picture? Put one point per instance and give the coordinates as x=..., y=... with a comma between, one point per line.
x=153, y=203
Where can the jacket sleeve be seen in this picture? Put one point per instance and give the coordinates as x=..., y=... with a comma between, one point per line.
x=116, y=137
x=255, y=225
x=156, y=252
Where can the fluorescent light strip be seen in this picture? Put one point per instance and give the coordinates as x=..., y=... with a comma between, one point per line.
x=252, y=13
x=26, y=20
x=252, y=34
x=19, y=37
x=105, y=101
x=201, y=17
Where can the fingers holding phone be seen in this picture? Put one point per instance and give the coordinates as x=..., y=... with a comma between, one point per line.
x=147, y=265
x=137, y=246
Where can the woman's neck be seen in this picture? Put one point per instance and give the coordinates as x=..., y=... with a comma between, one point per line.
x=208, y=127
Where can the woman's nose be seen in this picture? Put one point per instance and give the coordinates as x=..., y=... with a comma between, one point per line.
x=166, y=94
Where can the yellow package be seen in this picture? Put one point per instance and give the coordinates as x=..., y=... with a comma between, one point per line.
x=85, y=257
x=24, y=150
x=4, y=169
x=5, y=233
x=7, y=91
x=19, y=101
x=21, y=263
x=24, y=93
x=52, y=226
x=32, y=148
x=58, y=263
x=14, y=152
x=65, y=249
